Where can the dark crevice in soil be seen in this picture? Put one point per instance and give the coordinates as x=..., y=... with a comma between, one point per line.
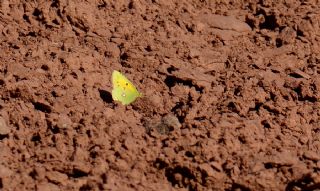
x=42, y=107
x=184, y=172
x=306, y=183
x=106, y=96
x=76, y=173
x=171, y=81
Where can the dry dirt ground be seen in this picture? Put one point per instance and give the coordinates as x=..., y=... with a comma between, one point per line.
x=231, y=95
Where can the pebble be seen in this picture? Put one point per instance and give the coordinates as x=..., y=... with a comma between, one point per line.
x=47, y=187
x=4, y=129
x=225, y=23
x=5, y=171
x=311, y=155
x=57, y=177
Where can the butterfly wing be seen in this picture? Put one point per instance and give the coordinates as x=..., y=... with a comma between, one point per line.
x=123, y=90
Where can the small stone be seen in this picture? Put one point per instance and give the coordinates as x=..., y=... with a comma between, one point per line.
x=5, y=171
x=287, y=35
x=83, y=169
x=303, y=139
x=301, y=74
x=178, y=177
x=4, y=129
x=171, y=121
x=129, y=143
x=155, y=100
x=217, y=166
x=194, y=53
x=122, y=165
x=169, y=152
x=311, y=155
x=64, y=122
x=225, y=22
x=207, y=169
x=47, y=187
x=168, y=123
x=112, y=50
x=57, y=177
x=199, y=26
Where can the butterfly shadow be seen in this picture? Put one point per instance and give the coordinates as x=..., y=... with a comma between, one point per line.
x=106, y=96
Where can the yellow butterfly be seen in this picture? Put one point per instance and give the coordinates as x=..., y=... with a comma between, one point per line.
x=123, y=90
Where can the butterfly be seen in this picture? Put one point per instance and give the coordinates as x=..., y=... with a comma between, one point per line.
x=123, y=90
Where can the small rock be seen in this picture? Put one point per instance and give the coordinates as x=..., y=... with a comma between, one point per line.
x=64, y=122
x=284, y=158
x=4, y=129
x=57, y=177
x=5, y=7
x=5, y=171
x=156, y=100
x=194, y=53
x=171, y=121
x=47, y=187
x=112, y=50
x=122, y=165
x=311, y=155
x=208, y=169
x=287, y=35
x=178, y=177
x=82, y=169
x=217, y=166
x=168, y=123
x=40, y=172
x=300, y=74
x=129, y=143
x=199, y=26
x=225, y=22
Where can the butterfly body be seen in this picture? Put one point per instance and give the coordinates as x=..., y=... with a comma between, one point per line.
x=123, y=90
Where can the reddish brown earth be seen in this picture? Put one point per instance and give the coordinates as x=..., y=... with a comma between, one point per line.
x=231, y=95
